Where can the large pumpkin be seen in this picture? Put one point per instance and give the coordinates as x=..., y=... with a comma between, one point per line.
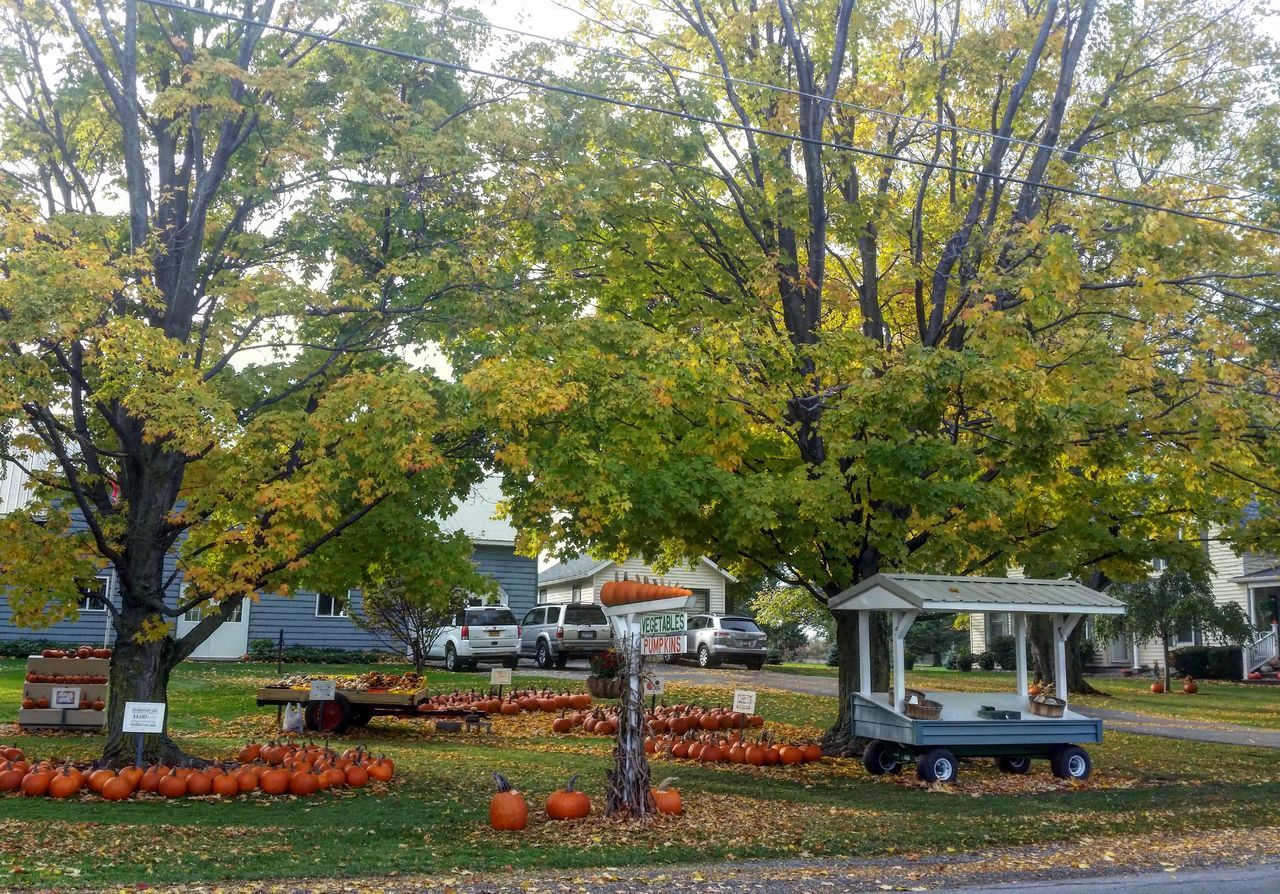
x=567, y=803
x=117, y=788
x=666, y=799
x=508, y=811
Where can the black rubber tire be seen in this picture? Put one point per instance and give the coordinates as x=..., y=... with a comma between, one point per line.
x=878, y=759
x=1015, y=765
x=451, y=660
x=328, y=716
x=755, y=666
x=1070, y=762
x=542, y=657
x=705, y=659
x=562, y=660
x=512, y=662
x=937, y=765
x=361, y=715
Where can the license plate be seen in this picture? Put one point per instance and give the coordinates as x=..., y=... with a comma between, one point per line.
x=493, y=634
x=586, y=634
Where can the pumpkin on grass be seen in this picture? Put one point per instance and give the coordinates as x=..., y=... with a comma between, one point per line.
x=508, y=811
x=117, y=788
x=568, y=804
x=667, y=799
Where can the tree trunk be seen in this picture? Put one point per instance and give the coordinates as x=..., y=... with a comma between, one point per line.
x=1040, y=639
x=838, y=739
x=1164, y=645
x=629, y=781
x=139, y=673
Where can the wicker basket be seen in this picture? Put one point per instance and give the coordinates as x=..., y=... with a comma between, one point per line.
x=605, y=687
x=1048, y=706
x=917, y=707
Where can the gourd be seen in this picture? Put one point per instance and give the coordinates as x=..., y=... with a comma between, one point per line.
x=667, y=799
x=567, y=803
x=508, y=811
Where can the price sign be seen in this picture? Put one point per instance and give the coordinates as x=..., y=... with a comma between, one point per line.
x=662, y=645
x=500, y=676
x=744, y=701
x=68, y=697
x=143, y=717
x=323, y=690
x=654, y=686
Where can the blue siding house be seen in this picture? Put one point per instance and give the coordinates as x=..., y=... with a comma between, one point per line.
x=306, y=618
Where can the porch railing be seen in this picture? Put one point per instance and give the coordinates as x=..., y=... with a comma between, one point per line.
x=1261, y=650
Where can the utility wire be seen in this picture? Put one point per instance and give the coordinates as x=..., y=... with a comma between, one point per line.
x=694, y=74
x=697, y=119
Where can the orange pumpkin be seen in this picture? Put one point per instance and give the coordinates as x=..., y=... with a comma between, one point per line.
x=357, y=776
x=567, y=803
x=36, y=783
x=173, y=785
x=303, y=783
x=63, y=785
x=382, y=769
x=117, y=788
x=226, y=785
x=198, y=784
x=274, y=781
x=508, y=811
x=667, y=799
x=812, y=752
x=1157, y=687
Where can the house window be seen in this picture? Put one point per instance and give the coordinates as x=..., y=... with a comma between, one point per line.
x=97, y=602
x=701, y=600
x=998, y=624
x=196, y=614
x=331, y=606
x=577, y=594
x=1159, y=565
x=542, y=595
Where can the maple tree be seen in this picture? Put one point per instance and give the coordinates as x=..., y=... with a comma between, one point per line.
x=221, y=243
x=819, y=363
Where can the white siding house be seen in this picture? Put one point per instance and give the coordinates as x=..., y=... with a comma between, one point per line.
x=580, y=580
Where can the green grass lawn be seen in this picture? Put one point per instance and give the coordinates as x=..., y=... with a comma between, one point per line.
x=434, y=817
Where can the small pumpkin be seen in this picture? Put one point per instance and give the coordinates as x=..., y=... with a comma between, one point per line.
x=172, y=785
x=1190, y=687
x=1157, y=687
x=117, y=788
x=64, y=785
x=226, y=785
x=357, y=776
x=198, y=784
x=667, y=799
x=568, y=803
x=274, y=781
x=508, y=811
x=382, y=769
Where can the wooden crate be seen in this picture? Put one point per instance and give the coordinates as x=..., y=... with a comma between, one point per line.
x=38, y=665
x=56, y=718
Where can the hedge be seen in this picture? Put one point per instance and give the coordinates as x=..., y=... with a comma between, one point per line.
x=265, y=650
x=1208, y=662
x=21, y=648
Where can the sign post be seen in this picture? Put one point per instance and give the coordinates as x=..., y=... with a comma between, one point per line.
x=142, y=718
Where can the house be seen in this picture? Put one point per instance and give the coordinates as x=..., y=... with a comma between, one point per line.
x=306, y=618
x=1250, y=580
x=580, y=580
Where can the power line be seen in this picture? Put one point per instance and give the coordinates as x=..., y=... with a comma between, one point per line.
x=695, y=74
x=715, y=122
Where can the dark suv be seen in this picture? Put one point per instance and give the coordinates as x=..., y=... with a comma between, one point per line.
x=552, y=634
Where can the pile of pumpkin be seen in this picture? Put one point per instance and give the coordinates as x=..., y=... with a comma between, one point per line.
x=273, y=769
x=513, y=703
x=733, y=748
x=677, y=720
x=81, y=652
x=509, y=811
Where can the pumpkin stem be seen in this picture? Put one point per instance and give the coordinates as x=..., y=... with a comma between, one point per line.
x=568, y=786
x=501, y=782
x=662, y=786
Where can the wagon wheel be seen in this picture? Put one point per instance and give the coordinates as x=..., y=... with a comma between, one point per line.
x=1070, y=762
x=879, y=759
x=1013, y=764
x=361, y=715
x=329, y=716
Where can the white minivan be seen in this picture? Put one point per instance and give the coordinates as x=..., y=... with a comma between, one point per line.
x=479, y=633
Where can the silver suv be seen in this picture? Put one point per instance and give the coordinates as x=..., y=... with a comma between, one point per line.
x=552, y=634
x=478, y=633
x=714, y=639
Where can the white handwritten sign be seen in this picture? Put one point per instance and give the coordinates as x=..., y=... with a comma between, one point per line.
x=323, y=690
x=143, y=717
x=744, y=701
x=500, y=676
x=65, y=697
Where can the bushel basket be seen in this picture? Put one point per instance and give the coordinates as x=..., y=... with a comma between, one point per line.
x=917, y=707
x=1048, y=706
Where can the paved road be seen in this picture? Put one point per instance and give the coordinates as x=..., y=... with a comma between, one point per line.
x=1249, y=880
x=1123, y=721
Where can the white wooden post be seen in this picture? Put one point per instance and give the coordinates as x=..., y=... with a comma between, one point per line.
x=864, y=653
x=1062, y=627
x=1020, y=650
x=902, y=621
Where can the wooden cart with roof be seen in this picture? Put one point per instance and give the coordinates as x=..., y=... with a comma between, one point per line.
x=935, y=730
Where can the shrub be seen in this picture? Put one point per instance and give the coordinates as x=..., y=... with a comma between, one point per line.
x=773, y=656
x=1002, y=651
x=1207, y=662
x=1089, y=651
x=265, y=650
x=987, y=660
x=833, y=656
x=21, y=648
x=964, y=661
x=909, y=660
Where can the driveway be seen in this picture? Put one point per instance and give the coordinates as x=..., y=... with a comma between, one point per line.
x=728, y=677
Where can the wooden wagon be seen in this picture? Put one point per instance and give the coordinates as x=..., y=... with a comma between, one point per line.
x=936, y=729
x=356, y=707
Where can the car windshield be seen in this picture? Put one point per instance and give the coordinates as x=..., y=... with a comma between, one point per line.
x=498, y=617
x=584, y=614
x=741, y=624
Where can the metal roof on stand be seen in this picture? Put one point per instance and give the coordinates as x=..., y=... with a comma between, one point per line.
x=957, y=593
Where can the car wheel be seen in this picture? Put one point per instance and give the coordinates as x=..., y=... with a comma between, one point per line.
x=937, y=765
x=1071, y=762
x=513, y=662
x=1018, y=765
x=542, y=657
x=756, y=665
x=561, y=660
x=704, y=656
x=451, y=662
x=878, y=759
